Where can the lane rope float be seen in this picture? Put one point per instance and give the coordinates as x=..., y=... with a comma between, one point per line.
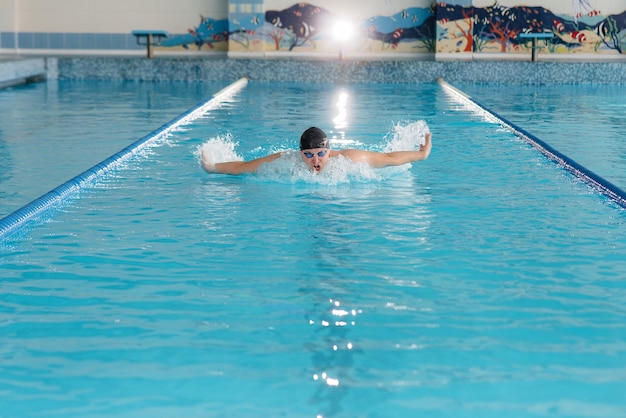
x=12, y=222
x=597, y=182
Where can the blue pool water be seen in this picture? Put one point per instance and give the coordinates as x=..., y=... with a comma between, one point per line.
x=50, y=132
x=485, y=281
x=584, y=121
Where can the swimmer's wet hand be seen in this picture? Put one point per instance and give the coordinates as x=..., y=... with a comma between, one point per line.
x=427, y=141
x=207, y=161
x=427, y=146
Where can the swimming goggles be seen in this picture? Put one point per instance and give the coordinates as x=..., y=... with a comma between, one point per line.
x=319, y=154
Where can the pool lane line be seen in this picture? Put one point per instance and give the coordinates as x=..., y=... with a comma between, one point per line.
x=15, y=220
x=581, y=172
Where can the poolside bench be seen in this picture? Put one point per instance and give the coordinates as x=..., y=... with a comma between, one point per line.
x=534, y=36
x=150, y=38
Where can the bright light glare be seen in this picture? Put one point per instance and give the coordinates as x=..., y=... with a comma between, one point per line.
x=341, y=120
x=342, y=30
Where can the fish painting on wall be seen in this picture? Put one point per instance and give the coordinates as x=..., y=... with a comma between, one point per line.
x=210, y=34
x=307, y=27
x=497, y=28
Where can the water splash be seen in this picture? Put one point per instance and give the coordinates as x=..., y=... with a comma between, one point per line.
x=406, y=138
x=220, y=149
x=290, y=168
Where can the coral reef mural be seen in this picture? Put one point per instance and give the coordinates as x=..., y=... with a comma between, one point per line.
x=402, y=26
x=297, y=26
x=210, y=34
x=497, y=28
x=414, y=26
x=307, y=27
x=247, y=21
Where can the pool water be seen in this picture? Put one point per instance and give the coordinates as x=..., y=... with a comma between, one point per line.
x=485, y=281
x=583, y=121
x=51, y=132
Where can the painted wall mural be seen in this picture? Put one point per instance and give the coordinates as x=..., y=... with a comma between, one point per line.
x=209, y=34
x=411, y=27
x=309, y=28
x=496, y=28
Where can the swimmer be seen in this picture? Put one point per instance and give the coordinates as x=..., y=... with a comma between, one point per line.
x=315, y=151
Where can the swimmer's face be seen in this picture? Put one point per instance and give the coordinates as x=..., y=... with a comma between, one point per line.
x=315, y=158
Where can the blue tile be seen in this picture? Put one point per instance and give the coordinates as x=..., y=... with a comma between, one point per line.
x=72, y=41
x=7, y=40
x=101, y=41
x=132, y=43
x=119, y=41
x=40, y=40
x=87, y=41
x=25, y=40
x=56, y=41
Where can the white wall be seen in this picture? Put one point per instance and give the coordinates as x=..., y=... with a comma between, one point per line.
x=8, y=15
x=106, y=16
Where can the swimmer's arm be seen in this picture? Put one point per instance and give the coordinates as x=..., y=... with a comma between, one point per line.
x=380, y=160
x=236, y=167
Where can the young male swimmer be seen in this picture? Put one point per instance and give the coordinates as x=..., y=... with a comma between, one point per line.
x=315, y=151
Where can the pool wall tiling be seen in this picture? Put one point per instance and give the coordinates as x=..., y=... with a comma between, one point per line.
x=342, y=71
x=348, y=71
x=16, y=71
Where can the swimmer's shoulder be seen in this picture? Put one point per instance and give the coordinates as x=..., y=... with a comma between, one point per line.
x=346, y=152
x=354, y=154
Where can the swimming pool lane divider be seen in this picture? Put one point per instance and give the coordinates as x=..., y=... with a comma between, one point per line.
x=15, y=220
x=581, y=172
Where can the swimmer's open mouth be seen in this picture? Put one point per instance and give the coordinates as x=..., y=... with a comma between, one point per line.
x=317, y=167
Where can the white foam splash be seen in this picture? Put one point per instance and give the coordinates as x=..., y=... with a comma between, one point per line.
x=408, y=137
x=290, y=168
x=218, y=150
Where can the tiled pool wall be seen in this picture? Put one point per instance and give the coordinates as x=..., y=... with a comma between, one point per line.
x=16, y=71
x=312, y=70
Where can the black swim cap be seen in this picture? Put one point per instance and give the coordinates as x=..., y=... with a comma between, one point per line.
x=313, y=138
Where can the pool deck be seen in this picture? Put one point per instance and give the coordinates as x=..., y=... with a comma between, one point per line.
x=16, y=70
